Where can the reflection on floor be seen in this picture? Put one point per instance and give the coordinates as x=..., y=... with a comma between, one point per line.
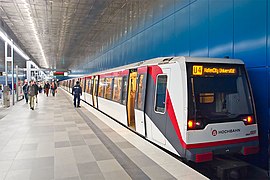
x=58, y=141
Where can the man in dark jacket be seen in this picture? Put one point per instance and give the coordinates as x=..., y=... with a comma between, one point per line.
x=25, y=90
x=46, y=88
x=77, y=92
x=36, y=90
x=53, y=88
x=32, y=94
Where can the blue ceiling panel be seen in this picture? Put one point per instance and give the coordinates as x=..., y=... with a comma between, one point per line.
x=135, y=49
x=199, y=29
x=168, y=36
x=125, y=52
x=157, y=40
x=142, y=47
x=181, y=32
x=149, y=43
x=250, y=32
x=261, y=95
x=158, y=12
x=220, y=28
x=168, y=8
x=179, y=4
x=268, y=41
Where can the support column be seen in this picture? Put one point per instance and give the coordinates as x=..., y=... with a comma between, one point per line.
x=17, y=83
x=6, y=62
x=12, y=76
x=28, y=70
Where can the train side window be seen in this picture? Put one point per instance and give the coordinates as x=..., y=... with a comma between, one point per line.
x=108, y=88
x=117, y=87
x=96, y=86
x=89, y=86
x=101, y=87
x=83, y=83
x=160, y=96
x=86, y=86
x=140, y=97
x=124, y=90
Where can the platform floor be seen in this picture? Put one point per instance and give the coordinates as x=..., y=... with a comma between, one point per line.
x=58, y=141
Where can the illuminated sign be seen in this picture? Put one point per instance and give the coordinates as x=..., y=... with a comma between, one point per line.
x=57, y=73
x=197, y=70
x=200, y=70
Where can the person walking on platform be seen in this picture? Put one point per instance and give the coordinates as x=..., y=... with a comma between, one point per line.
x=25, y=90
x=39, y=88
x=53, y=88
x=77, y=92
x=32, y=94
x=36, y=90
x=46, y=88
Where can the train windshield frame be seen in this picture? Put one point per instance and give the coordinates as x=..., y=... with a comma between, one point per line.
x=218, y=93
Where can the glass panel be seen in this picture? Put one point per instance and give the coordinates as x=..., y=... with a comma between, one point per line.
x=96, y=86
x=218, y=93
x=108, y=88
x=161, y=93
x=101, y=87
x=117, y=89
x=140, y=98
x=81, y=80
x=88, y=86
x=124, y=90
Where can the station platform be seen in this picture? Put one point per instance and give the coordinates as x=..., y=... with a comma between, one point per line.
x=58, y=141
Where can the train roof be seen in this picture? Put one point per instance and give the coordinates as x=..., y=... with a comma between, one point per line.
x=213, y=60
x=166, y=60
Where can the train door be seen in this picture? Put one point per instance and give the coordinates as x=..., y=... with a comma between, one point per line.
x=132, y=83
x=81, y=80
x=140, y=100
x=95, y=91
x=160, y=106
x=72, y=84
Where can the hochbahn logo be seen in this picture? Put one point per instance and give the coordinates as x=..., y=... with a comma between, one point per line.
x=214, y=132
x=226, y=131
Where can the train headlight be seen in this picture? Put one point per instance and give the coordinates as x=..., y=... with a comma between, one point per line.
x=248, y=120
x=191, y=124
x=195, y=124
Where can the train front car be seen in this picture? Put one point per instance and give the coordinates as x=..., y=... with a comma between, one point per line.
x=221, y=113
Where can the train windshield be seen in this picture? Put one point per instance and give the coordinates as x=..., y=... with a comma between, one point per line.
x=218, y=93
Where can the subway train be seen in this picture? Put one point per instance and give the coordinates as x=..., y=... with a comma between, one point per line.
x=195, y=108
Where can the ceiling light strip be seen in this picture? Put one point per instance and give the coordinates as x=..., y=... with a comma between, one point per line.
x=18, y=50
x=32, y=24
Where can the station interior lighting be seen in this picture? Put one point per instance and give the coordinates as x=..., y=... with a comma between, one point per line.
x=18, y=50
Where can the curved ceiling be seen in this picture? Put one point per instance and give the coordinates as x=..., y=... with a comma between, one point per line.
x=59, y=33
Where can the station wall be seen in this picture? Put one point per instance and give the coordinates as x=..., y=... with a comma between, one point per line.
x=205, y=28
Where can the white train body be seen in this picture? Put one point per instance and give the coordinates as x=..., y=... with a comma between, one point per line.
x=193, y=107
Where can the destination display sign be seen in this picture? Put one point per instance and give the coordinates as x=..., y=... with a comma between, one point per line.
x=199, y=70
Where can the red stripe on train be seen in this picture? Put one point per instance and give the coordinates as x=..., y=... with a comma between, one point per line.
x=172, y=116
x=154, y=71
x=221, y=143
